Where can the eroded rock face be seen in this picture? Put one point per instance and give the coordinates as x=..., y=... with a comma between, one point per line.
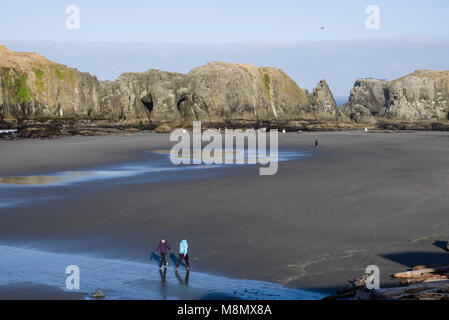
x=366, y=100
x=242, y=92
x=369, y=93
x=322, y=104
x=217, y=93
x=357, y=112
x=33, y=86
x=422, y=95
x=141, y=96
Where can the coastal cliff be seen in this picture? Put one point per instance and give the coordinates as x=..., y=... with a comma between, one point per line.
x=44, y=98
x=422, y=96
x=33, y=86
x=35, y=89
x=367, y=99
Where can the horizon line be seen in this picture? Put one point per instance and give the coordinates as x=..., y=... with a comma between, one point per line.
x=248, y=42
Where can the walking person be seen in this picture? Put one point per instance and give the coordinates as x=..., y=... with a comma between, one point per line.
x=183, y=254
x=316, y=143
x=163, y=247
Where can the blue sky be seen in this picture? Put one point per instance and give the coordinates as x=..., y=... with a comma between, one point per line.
x=211, y=21
x=136, y=35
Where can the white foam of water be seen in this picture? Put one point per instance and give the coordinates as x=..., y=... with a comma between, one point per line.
x=120, y=279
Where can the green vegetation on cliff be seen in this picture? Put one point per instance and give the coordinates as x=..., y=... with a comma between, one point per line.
x=63, y=73
x=16, y=87
x=291, y=89
x=39, y=74
x=266, y=85
x=39, y=83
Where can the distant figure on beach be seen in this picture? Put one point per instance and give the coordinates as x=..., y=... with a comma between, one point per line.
x=163, y=247
x=316, y=143
x=183, y=254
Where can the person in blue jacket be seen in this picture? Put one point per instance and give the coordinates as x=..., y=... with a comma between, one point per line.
x=183, y=253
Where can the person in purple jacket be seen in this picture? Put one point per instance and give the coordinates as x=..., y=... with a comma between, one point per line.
x=163, y=247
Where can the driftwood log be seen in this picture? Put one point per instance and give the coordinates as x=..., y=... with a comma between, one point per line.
x=420, y=283
x=420, y=272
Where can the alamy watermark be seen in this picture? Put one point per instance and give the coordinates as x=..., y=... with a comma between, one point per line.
x=372, y=22
x=72, y=282
x=73, y=19
x=373, y=279
x=189, y=149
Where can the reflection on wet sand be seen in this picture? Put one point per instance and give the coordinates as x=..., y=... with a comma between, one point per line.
x=163, y=288
x=182, y=281
x=219, y=157
x=31, y=180
x=66, y=176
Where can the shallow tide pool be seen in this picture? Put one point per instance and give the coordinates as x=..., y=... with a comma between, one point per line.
x=163, y=164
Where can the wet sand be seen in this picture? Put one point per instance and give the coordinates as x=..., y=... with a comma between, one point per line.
x=32, y=291
x=121, y=279
x=360, y=199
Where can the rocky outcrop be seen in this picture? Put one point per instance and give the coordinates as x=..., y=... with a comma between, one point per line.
x=357, y=112
x=44, y=98
x=233, y=92
x=143, y=96
x=32, y=86
x=369, y=93
x=322, y=105
x=366, y=100
x=219, y=94
x=422, y=95
x=244, y=93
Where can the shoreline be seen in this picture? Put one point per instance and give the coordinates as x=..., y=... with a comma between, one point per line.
x=42, y=276
x=50, y=128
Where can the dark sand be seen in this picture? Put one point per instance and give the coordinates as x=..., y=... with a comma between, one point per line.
x=361, y=199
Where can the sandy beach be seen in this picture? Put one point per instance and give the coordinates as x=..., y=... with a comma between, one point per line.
x=360, y=199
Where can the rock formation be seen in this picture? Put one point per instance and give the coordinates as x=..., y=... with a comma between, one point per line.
x=367, y=99
x=420, y=96
x=36, y=92
x=219, y=94
x=322, y=105
x=33, y=86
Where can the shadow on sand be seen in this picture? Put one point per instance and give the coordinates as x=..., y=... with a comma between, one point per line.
x=442, y=245
x=415, y=258
x=174, y=259
x=155, y=257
